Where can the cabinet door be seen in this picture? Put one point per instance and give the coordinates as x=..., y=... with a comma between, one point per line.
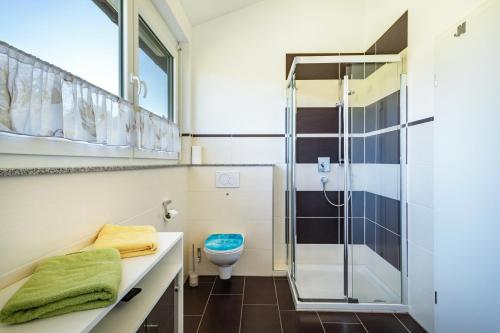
x=142, y=329
x=162, y=318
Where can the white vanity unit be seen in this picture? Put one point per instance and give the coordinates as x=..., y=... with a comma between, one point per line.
x=157, y=308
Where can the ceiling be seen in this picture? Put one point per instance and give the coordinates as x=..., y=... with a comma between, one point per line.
x=199, y=11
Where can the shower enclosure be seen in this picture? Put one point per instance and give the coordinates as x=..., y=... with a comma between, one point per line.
x=346, y=214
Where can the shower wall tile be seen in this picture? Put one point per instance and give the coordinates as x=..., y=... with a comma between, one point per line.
x=382, y=148
x=387, y=245
x=319, y=72
x=314, y=204
x=357, y=232
x=357, y=150
x=383, y=113
x=384, y=211
x=318, y=230
x=388, y=111
x=357, y=120
x=317, y=120
x=388, y=148
x=309, y=149
x=371, y=117
x=395, y=39
x=357, y=204
x=370, y=234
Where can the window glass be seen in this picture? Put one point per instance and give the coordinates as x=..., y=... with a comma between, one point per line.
x=79, y=36
x=156, y=71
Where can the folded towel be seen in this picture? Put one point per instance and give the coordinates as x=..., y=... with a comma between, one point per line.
x=63, y=284
x=131, y=241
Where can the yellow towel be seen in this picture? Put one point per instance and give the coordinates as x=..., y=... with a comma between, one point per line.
x=131, y=241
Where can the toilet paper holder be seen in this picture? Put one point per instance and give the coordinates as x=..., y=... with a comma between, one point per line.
x=168, y=214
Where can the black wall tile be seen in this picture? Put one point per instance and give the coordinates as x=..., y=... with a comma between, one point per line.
x=388, y=148
x=318, y=230
x=371, y=149
x=309, y=149
x=395, y=39
x=388, y=111
x=357, y=150
x=317, y=120
x=388, y=246
x=388, y=213
x=357, y=232
x=291, y=56
x=371, y=206
x=357, y=207
x=370, y=234
x=357, y=120
x=314, y=204
x=371, y=118
x=317, y=72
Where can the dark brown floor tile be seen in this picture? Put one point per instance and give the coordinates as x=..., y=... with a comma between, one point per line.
x=338, y=317
x=191, y=323
x=260, y=319
x=381, y=323
x=195, y=299
x=222, y=314
x=410, y=323
x=285, y=299
x=300, y=322
x=259, y=290
x=280, y=278
x=206, y=278
x=343, y=328
x=232, y=286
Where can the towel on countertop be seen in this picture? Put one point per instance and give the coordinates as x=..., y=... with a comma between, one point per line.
x=131, y=241
x=63, y=284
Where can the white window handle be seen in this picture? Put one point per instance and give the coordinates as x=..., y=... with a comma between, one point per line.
x=141, y=85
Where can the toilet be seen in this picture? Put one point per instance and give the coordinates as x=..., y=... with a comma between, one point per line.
x=224, y=250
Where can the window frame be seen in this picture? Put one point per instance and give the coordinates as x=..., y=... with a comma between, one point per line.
x=128, y=25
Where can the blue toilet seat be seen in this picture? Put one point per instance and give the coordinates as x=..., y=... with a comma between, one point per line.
x=224, y=242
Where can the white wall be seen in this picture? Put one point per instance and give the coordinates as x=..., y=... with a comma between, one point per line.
x=247, y=209
x=239, y=59
x=53, y=214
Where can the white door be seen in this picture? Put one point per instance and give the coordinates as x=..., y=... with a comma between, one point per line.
x=467, y=175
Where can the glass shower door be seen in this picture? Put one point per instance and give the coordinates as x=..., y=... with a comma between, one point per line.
x=345, y=224
x=373, y=180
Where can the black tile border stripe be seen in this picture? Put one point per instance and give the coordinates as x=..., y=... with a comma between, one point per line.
x=250, y=135
x=420, y=121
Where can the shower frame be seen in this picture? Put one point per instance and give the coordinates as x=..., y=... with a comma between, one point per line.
x=291, y=137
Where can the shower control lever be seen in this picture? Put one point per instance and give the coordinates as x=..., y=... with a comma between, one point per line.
x=323, y=164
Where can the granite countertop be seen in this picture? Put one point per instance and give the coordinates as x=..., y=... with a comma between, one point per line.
x=16, y=172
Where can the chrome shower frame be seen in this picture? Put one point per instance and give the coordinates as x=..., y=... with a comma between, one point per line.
x=343, y=105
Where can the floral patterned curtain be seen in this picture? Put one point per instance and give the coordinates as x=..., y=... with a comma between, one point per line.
x=39, y=99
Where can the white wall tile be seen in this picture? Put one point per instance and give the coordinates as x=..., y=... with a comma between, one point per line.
x=421, y=226
x=215, y=150
x=317, y=93
x=257, y=150
x=420, y=185
x=44, y=214
x=420, y=144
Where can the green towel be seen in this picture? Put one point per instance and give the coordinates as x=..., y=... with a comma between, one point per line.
x=74, y=282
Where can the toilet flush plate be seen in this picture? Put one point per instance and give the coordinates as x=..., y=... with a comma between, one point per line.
x=227, y=179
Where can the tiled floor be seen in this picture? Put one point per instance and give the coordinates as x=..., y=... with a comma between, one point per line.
x=265, y=305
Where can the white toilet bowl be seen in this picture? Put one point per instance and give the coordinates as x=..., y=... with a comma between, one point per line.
x=224, y=250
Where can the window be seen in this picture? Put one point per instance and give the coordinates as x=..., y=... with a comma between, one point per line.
x=156, y=72
x=58, y=31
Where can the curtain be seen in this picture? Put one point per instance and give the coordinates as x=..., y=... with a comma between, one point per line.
x=39, y=99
